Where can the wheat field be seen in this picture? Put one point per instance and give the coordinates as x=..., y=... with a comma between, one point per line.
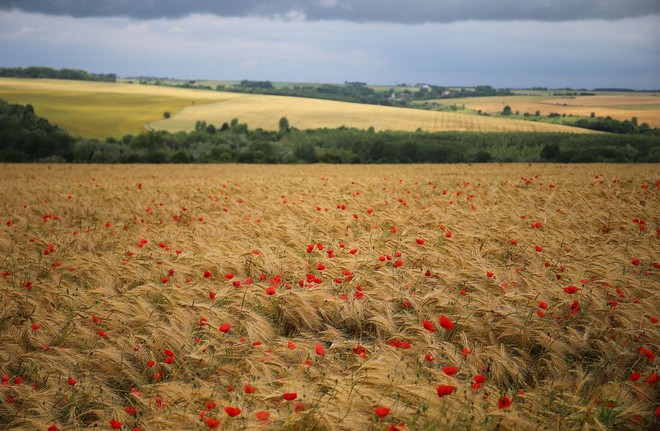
x=621, y=106
x=100, y=110
x=329, y=297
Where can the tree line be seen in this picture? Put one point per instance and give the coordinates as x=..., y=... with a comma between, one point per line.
x=50, y=73
x=24, y=137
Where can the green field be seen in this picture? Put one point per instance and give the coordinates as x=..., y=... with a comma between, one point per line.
x=100, y=110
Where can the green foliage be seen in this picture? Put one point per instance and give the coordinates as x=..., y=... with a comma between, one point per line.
x=24, y=137
x=50, y=73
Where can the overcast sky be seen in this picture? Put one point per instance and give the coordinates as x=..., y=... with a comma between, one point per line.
x=503, y=43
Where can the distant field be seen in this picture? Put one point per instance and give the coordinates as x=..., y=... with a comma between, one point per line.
x=621, y=106
x=265, y=111
x=99, y=110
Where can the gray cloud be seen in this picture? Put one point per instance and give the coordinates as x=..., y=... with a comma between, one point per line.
x=393, y=11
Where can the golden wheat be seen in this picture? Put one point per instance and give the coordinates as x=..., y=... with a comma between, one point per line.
x=108, y=271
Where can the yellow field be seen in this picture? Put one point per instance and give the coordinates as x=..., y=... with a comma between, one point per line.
x=621, y=106
x=100, y=110
x=265, y=112
x=329, y=297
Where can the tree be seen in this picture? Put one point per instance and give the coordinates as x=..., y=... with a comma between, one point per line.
x=284, y=124
x=506, y=110
x=167, y=114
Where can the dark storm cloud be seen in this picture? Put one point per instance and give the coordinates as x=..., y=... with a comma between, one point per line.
x=399, y=11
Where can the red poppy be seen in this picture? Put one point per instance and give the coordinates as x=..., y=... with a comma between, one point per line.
x=53, y=427
x=570, y=289
x=248, y=389
x=360, y=351
x=102, y=334
x=71, y=381
x=420, y=241
x=479, y=378
x=319, y=349
x=648, y=353
x=232, y=411
x=381, y=412
x=429, y=357
x=634, y=376
x=443, y=390
x=168, y=352
x=35, y=327
x=263, y=416
x=115, y=424
x=446, y=323
x=169, y=360
x=212, y=423
x=270, y=290
x=543, y=305
x=538, y=248
x=450, y=370
x=504, y=403
x=490, y=274
x=290, y=396
x=575, y=307
x=429, y=326
x=225, y=327
x=291, y=345
x=207, y=274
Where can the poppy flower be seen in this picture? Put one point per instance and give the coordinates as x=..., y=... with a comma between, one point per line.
x=381, y=412
x=291, y=345
x=443, y=390
x=263, y=416
x=429, y=357
x=420, y=241
x=652, y=379
x=570, y=289
x=168, y=352
x=320, y=267
x=225, y=327
x=212, y=423
x=169, y=360
x=270, y=290
x=490, y=274
x=544, y=305
x=634, y=376
x=232, y=411
x=450, y=370
x=18, y=380
x=429, y=326
x=71, y=381
x=504, y=403
x=53, y=427
x=115, y=424
x=360, y=351
x=319, y=349
x=538, y=248
x=35, y=327
x=290, y=396
x=207, y=274
x=248, y=389
x=648, y=353
x=575, y=307
x=102, y=334
x=446, y=323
